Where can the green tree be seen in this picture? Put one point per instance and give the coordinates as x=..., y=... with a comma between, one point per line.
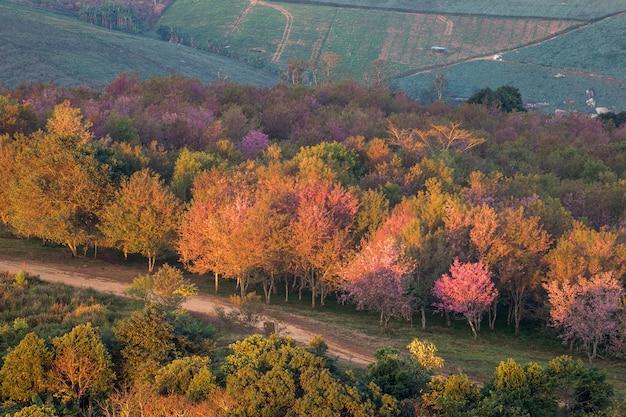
x=507, y=98
x=190, y=376
x=518, y=391
x=454, y=396
x=329, y=161
x=81, y=368
x=147, y=343
x=274, y=377
x=36, y=411
x=24, y=373
x=399, y=377
x=579, y=390
x=167, y=287
x=188, y=165
x=143, y=217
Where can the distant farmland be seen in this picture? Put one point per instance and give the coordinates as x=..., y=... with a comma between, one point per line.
x=593, y=57
x=358, y=35
x=551, y=9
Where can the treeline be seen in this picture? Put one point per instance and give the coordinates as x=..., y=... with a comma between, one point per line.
x=112, y=16
x=69, y=352
x=354, y=193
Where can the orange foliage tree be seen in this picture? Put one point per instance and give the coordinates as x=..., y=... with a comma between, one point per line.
x=143, y=217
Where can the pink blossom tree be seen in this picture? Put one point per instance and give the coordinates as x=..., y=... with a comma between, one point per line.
x=468, y=291
x=586, y=310
x=377, y=279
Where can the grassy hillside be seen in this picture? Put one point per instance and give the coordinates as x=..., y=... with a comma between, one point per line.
x=574, y=38
x=71, y=52
x=271, y=33
x=590, y=58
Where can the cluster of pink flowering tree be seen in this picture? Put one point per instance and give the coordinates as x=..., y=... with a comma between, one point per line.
x=377, y=279
x=467, y=290
x=586, y=310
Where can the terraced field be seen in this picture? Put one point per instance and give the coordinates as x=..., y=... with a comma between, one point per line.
x=271, y=33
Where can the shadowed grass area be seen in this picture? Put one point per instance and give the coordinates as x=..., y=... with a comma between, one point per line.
x=70, y=52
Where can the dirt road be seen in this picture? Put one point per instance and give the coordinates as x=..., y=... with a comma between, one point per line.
x=344, y=345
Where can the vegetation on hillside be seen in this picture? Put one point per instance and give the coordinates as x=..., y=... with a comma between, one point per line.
x=338, y=192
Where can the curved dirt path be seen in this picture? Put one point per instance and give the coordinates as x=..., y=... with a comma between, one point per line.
x=286, y=32
x=344, y=345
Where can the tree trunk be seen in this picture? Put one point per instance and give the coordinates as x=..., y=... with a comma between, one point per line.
x=517, y=314
x=423, y=311
x=151, y=262
x=473, y=328
x=492, y=317
x=217, y=281
x=72, y=247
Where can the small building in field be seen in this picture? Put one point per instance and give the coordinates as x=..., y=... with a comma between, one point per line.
x=438, y=49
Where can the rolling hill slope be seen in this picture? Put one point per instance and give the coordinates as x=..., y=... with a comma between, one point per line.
x=38, y=46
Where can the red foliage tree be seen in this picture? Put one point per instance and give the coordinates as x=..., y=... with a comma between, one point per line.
x=468, y=290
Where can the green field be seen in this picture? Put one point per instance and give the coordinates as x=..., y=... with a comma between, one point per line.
x=587, y=58
x=358, y=35
x=573, y=37
x=70, y=52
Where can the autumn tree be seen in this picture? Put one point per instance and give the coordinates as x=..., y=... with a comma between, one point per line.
x=219, y=231
x=512, y=245
x=143, y=217
x=320, y=239
x=425, y=353
x=81, y=368
x=377, y=279
x=583, y=252
x=327, y=63
x=201, y=245
x=467, y=290
x=586, y=310
x=57, y=187
x=24, y=372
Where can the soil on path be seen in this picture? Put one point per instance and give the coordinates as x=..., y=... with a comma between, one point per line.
x=346, y=345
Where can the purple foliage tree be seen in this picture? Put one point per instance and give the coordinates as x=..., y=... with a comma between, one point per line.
x=253, y=143
x=377, y=279
x=586, y=310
